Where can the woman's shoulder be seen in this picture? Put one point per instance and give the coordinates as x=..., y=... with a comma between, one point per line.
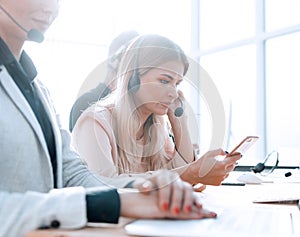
x=98, y=112
x=95, y=114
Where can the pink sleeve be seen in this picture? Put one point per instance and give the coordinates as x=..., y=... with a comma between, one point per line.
x=94, y=140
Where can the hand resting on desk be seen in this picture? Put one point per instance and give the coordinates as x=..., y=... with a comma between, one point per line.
x=167, y=196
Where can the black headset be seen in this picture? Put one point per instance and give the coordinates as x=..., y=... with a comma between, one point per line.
x=134, y=81
x=262, y=166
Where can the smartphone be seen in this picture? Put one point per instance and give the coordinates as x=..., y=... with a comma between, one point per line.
x=244, y=145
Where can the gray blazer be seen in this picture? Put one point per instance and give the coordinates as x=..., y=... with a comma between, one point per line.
x=27, y=198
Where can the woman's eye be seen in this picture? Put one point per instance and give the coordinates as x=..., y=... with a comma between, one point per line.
x=178, y=83
x=164, y=81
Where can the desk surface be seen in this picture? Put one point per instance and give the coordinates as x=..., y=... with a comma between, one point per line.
x=86, y=232
x=223, y=195
x=92, y=230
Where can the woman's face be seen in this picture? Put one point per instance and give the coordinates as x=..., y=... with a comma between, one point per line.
x=158, y=88
x=30, y=14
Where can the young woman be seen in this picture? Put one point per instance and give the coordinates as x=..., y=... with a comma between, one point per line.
x=141, y=127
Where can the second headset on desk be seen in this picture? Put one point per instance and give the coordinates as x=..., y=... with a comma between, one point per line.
x=268, y=165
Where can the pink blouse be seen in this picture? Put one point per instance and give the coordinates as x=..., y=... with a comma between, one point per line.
x=93, y=138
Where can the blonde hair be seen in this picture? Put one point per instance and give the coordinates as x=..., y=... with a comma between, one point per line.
x=143, y=54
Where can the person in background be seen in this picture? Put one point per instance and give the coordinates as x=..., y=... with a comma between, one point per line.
x=103, y=88
x=44, y=183
x=143, y=123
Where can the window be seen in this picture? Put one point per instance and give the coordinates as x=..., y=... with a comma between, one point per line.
x=282, y=93
x=251, y=49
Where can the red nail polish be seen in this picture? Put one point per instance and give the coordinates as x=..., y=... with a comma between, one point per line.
x=165, y=206
x=176, y=210
x=188, y=209
x=213, y=214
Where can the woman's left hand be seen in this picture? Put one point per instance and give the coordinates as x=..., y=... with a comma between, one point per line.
x=173, y=193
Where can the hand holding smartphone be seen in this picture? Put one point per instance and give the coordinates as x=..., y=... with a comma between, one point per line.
x=244, y=145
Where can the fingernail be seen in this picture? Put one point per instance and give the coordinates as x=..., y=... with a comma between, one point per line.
x=188, y=209
x=165, y=206
x=213, y=214
x=176, y=210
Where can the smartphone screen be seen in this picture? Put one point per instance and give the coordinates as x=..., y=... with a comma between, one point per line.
x=244, y=145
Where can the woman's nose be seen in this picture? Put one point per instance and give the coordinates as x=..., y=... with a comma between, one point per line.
x=172, y=92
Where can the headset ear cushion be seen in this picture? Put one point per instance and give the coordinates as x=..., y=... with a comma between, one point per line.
x=134, y=82
x=258, y=168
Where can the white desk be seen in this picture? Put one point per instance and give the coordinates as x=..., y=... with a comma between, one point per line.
x=221, y=195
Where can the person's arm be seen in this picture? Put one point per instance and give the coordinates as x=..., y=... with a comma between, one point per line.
x=208, y=169
x=164, y=195
x=94, y=141
x=74, y=170
x=23, y=212
x=72, y=208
